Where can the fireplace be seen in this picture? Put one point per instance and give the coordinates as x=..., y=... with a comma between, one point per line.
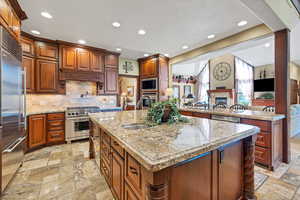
x=221, y=100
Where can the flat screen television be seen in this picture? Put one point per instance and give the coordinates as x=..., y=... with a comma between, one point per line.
x=264, y=85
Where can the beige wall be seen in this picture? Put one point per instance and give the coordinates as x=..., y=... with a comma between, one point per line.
x=294, y=71
x=134, y=69
x=229, y=83
x=74, y=89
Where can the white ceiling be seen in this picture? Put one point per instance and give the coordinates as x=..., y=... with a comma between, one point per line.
x=170, y=24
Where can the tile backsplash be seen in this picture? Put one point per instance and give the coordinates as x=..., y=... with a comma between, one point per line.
x=74, y=90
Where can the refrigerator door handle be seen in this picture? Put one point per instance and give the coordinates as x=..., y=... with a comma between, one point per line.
x=11, y=149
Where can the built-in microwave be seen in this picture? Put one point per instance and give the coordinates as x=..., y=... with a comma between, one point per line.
x=149, y=84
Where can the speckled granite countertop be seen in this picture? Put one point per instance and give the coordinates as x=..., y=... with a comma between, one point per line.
x=249, y=114
x=166, y=145
x=44, y=111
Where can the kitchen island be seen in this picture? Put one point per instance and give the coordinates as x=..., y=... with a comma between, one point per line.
x=201, y=159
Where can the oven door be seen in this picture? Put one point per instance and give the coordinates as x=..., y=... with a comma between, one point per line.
x=77, y=128
x=147, y=102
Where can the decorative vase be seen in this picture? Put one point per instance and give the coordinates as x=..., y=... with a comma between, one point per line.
x=166, y=115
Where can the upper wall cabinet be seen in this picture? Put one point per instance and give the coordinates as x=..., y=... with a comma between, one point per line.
x=111, y=60
x=28, y=65
x=148, y=67
x=83, y=59
x=27, y=46
x=47, y=76
x=96, y=61
x=46, y=51
x=68, y=58
x=111, y=80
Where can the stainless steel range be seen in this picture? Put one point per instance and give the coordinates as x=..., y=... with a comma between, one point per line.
x=77, y=122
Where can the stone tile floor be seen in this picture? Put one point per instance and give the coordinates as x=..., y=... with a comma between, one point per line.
x=64, y=172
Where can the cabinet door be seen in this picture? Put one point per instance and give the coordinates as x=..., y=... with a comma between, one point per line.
x=96, y=61
x=149, y=67
x=46, y=51
x=111, y=60
x=129, y=194
x=111, y=80
x=83, y=60
x=68, y=58
x=117, y=176
x=36, y=130
x=5, y=11
x=27, y=46
x=231, y=172
x=46, y=76
x=28, y=65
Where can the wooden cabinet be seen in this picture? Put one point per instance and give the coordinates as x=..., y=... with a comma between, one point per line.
x=46, y=51
x=195, y=114
x=68, y=58
x=111, y=81
x=148, y=68
x=133, y=174
x=112, y=60
x=263, y=102
x=27, y=46
x=83, y=60
x=96, y=62
x=129, y=194
x=47, y=76
x=5, y=11
x=117, y=175
x=37, y=130
x=29, y=67
x=55, y=128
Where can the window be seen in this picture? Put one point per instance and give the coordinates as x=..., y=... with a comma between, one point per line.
x=244, y=82
x=203, y=84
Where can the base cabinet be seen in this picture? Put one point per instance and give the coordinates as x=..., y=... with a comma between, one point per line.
x=129, y=194
x=46, y=129
x=117, y=175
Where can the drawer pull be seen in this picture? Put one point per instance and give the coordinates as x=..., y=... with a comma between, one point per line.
x=55, y=135
x=133, y=170
x=116, y=144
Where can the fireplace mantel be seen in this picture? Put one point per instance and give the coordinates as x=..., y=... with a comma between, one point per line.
x=230, y=91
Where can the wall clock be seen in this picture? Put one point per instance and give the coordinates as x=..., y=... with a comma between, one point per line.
x=222, y=71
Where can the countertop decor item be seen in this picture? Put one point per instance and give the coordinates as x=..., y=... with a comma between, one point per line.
x=165, y=111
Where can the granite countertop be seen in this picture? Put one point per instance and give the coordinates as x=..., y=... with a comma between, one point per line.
x=165, y=145
x=44, y=111
x=249, y=114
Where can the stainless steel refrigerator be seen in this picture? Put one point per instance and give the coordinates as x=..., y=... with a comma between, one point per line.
x=12, y=107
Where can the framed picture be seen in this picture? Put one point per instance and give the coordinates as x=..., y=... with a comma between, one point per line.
x=176, y=91
x=187, y=90
x=130, y=91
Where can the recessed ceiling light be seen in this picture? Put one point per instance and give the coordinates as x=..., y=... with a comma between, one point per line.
x=118, y=49
x=35, y=32
x=141, y=32
x=146, y=54
x=242, y=23
x=167, y=55
x=211, y=36
x=47, y=15
x=81, y=41
x=267, y=44
x=116, y=24
x=185, y=47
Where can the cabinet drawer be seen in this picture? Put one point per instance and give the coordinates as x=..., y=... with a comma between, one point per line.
x=104, y=167
x=263, y=139
x=56, y=136
x=56, y=116
x=133, y=173
x=262, y=155
x=105, y=137
x=187, y=113
x=201, y=115
x=116, y=146
x=56, y=125
x=263, y=125
x=105, y=151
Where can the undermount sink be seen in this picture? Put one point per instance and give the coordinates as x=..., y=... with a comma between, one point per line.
x=134, y=126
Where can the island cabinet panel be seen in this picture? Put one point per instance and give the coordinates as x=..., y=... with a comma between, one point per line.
x=230, y=172
x=46, y=51
x=47, y=76
x=96, y=61
x=186, y=113
x=116, y=146
x=68, y=58
x=37, y=130
x=201, y=115
x=129, y=194
x=28, y=65
x=105, y=170
x=83, y=60
x=133, y=174
x=117, y=175
x=188, y=182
